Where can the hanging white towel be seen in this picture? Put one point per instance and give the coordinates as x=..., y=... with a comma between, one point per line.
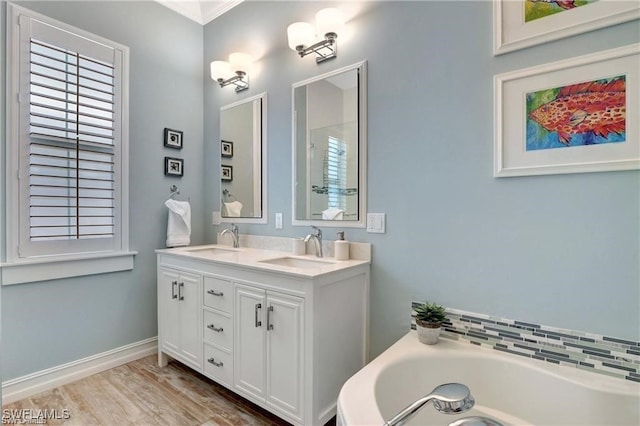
x=179, y=223
x=332, y=213
x=233, y=208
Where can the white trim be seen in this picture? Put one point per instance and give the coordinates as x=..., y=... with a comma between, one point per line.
x=55, y=267
x=3, y=110
x=202, y=11
x=31, y=384
x=210, y=13
x=20, y=259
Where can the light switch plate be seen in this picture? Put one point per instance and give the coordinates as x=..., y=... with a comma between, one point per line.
x=278, y=220
x=376, y=223
x=215, y=218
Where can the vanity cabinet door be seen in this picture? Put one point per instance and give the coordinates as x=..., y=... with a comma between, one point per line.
x=179, y=315
x=169, y=312
x=249, y=341
x=190, y=322
x=268, y=348
x=284, y=353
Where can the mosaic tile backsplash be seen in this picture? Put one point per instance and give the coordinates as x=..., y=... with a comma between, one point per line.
x=599, y=354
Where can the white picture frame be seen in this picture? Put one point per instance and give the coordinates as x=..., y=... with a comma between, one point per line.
x=511, y=156
x=511, y=32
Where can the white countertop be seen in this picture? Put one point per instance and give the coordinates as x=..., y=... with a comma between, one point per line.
x=307, y=266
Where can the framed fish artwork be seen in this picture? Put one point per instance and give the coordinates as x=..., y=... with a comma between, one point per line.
x=572, y=116
x=523, y=23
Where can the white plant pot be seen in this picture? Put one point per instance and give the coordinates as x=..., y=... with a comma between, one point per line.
x=428, y=335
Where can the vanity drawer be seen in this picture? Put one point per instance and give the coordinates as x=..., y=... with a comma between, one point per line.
x=218, y=365
x=218, y=294
x=218, y=329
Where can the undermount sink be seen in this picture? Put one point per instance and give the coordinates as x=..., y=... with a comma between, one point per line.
x=208, y=251
x=296, y=262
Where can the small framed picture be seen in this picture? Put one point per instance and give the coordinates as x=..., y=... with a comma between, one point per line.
x=226, y=148
x=226, y=173
x=173, y=138
x=173, y=166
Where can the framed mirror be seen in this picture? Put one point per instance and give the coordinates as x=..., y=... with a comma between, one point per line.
x=330, y=148
x=243, y=153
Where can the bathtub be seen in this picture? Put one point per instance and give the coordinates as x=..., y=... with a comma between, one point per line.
x=508, y=388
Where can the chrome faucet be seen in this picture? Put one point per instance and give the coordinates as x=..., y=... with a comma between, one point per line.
x=450, y=398
x=234, y=234
x=317, y=240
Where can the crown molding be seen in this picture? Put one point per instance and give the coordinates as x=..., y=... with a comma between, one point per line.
x=202, y=11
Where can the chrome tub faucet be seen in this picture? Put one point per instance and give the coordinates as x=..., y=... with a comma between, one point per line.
x=450, y=398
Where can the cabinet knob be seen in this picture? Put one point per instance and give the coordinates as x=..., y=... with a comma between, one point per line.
x=214, y=328
x=213, y=361
x=214, y=293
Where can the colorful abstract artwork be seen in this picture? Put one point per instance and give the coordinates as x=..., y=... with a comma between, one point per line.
x=585, y=113
x=518, y=24
x=575, y=115
x=536, y=9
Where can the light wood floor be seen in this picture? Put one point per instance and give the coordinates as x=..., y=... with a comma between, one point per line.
x=141, y=393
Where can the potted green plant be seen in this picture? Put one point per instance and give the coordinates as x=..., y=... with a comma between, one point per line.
x=429, y=318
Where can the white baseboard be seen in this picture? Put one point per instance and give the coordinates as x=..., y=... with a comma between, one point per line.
x=40, y=381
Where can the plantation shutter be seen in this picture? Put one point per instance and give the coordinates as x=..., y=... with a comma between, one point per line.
x=335, y=172
x=72, y=154
x=71, y=151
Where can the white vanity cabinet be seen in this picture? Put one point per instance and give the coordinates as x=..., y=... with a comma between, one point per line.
x=269, y=348
x=285, y=338
x=179, y=325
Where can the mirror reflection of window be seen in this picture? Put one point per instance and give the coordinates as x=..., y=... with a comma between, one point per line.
x=334, y=190
x=335, y=178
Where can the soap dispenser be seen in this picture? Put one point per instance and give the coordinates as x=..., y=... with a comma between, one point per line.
x=341, y=247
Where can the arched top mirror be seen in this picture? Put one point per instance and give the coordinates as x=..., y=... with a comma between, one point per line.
x=243, y=153
x=329, y=149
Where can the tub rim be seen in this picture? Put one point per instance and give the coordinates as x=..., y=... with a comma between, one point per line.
x=360, y=389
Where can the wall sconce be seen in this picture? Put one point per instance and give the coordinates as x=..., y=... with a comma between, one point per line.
x=233, y=72
x=302, y=35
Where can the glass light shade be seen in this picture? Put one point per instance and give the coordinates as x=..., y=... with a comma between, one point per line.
x=329, y=20
x=220, y=69
x=240, y=62
x=300, y=34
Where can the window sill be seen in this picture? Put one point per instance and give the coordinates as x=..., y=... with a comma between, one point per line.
x=52, y=268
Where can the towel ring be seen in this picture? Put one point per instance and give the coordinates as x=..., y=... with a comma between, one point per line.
x=229, y=196
x=173, y=191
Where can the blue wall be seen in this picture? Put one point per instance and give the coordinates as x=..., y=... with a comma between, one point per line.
x=46, y=324
x=559, y=250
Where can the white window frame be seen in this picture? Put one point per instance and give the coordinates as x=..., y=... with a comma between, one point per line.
x=21, y=265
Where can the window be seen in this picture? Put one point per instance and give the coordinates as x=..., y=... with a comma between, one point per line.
x=335, y=178
x=67, y=146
